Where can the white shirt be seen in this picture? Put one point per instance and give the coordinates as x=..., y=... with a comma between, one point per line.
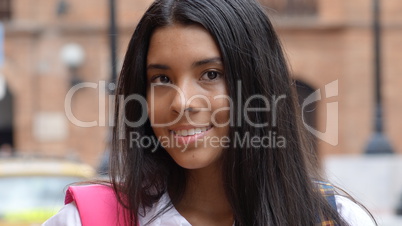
x=69, y=215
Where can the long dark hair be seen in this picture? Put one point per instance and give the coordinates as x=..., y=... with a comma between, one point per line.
x=264, y=185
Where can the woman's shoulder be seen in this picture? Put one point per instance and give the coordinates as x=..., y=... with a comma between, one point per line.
x=349, y=210
x=67, y=216
x=91, y=204
x=353, y=213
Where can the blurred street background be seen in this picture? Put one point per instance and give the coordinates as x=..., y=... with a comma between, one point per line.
x=344, y=55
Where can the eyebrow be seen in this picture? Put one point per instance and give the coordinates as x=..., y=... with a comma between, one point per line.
x=158, y=66
x=216, y=60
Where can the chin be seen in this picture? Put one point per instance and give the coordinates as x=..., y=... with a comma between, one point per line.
x=191, y=161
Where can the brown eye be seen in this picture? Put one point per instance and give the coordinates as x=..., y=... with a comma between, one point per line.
x=161, y=79
x=164, y=79
x=211, y=75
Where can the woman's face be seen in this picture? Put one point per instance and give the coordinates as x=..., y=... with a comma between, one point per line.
x=187, y=97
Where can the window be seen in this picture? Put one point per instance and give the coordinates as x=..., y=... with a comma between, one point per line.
x=5, y=9
x=6, y=118
x=292, y=7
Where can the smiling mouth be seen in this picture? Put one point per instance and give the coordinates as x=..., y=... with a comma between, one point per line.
x=190, y=132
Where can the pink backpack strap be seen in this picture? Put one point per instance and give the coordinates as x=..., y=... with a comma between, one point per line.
x=97, y=205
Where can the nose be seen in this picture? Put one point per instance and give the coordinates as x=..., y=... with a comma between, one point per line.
x=184, y=98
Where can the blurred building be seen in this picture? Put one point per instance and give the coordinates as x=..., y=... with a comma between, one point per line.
x=329, y=45
x=38, y=79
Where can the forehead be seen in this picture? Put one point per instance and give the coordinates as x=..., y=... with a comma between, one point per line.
x=177, y=41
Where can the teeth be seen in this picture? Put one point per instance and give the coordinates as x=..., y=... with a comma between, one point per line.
x=191, y=132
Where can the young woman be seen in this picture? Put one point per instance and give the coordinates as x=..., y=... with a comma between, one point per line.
x=209, y=132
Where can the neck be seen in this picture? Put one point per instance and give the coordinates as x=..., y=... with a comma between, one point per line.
x=205, y=196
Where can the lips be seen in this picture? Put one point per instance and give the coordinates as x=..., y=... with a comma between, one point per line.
x=191, y=132
x=185, y=135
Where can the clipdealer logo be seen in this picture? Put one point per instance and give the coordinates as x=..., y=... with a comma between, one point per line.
x=330, y=135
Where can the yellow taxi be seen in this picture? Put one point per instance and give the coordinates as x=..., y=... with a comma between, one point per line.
x=32, y=189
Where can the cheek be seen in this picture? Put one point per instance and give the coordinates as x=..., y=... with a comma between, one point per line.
x=154, y=116
x=221, y=112
x=155, y=109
